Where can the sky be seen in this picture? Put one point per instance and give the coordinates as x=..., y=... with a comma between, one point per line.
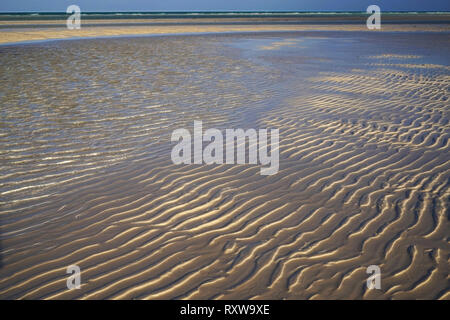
x=222, y=5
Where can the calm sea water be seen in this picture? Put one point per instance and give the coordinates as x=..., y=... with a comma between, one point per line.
x=212, y=14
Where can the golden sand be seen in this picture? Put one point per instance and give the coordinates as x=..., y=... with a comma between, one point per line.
x=18, y=35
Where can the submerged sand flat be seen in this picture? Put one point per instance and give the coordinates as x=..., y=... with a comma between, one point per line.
x=364, y=176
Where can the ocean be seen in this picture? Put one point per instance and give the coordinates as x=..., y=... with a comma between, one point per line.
x=13, y=16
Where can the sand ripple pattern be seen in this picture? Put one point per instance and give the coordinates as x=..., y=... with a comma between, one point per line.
x=364, y=176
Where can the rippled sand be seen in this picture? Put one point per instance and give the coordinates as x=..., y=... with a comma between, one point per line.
x=86, y=175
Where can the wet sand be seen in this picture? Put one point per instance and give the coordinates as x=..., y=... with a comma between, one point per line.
x=41, y=27
x=20, y=34
x=364, y=176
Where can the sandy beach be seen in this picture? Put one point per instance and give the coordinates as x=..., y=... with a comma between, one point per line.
x=12, y=30
x=87, y=178
x=21, y=35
